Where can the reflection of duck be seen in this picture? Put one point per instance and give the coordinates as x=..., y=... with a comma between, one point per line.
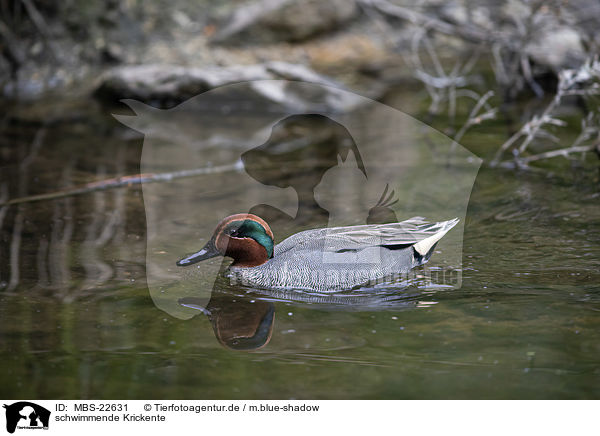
x=238, y=323
x=300, y=149
x=355, y=255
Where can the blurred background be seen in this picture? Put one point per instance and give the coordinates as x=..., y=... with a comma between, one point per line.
x=516, y=83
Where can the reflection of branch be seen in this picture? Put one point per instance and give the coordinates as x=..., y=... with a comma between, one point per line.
x=97, y=271
x=42, y=254
x=36, y=144
x=119, y=201
x=60, y=244
x=126, y=181
x=15, y=246
x=3, y=199
x=15, y=243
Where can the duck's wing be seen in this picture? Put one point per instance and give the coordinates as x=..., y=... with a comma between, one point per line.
x=302, y=239
x=414, y=232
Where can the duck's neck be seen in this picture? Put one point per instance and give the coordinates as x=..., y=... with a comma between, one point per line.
x=246, y=253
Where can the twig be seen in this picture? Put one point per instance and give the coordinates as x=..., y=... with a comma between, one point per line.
x=474, y=118
x=119, y=182
x=14, y=51
x=467, y=32
x=583, y=81
x=531, y=129
x=561, y=152
x=441, y=86
x=526, y=69
x=40, y=24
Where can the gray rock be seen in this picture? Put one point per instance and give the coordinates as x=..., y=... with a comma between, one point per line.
x=284, y=20
x=273, y=83
x=166, y=85
x=549, y=42
x=557, y=48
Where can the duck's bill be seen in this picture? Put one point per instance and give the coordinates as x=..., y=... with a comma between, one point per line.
x=209, y=251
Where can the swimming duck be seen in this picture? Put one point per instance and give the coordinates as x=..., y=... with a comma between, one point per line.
x=326, y=259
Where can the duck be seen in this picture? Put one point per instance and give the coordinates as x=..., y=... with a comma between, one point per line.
x=322, y=259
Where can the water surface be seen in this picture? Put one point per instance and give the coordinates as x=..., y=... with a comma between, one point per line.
x=77, y=319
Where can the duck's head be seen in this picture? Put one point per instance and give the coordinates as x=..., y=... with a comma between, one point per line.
x=245, y=237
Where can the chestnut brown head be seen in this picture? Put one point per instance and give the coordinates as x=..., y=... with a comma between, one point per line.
x=244, y=237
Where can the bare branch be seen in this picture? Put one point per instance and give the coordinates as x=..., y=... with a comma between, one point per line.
x=582, y=81
x=126, y=181
x=474, y=118
x=561, y=152
x=468, y=32
x=40, y=24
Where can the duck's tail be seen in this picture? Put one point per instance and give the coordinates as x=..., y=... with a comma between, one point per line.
x=425, y=247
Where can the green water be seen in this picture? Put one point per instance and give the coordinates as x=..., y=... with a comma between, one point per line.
x=77, y=319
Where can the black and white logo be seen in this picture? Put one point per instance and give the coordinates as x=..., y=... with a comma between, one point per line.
x=26, y=415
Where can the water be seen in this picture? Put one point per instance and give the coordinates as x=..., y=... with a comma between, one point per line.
x=77, y=319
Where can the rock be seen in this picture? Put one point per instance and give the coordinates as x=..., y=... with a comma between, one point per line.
x=550, y=43
x=460, y=12
x=557, y=48
x=284, y=20
x=547, y=40
x=112, y=53
x=166, y=86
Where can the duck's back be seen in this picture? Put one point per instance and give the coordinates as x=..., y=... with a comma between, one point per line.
x=339, y=258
